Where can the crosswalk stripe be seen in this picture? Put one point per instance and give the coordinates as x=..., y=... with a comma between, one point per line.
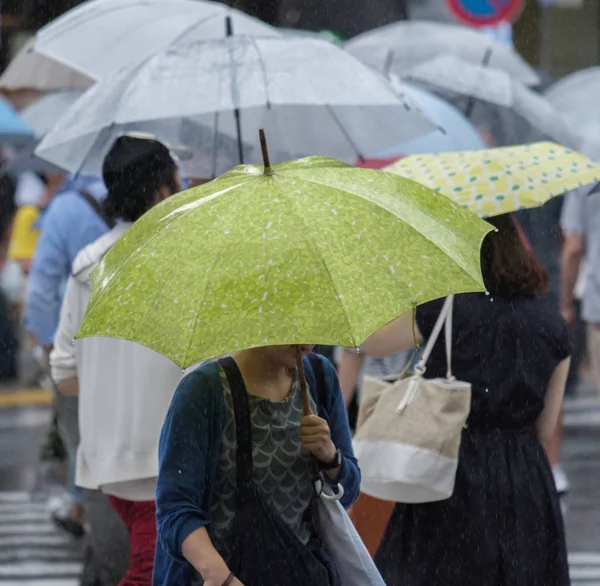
x=32, y=550
x=584, y=568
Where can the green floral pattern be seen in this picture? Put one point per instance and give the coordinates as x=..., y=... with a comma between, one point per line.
x=491, y=182
x=317, y=252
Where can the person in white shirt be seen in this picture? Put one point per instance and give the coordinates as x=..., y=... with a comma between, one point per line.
x=124, y=389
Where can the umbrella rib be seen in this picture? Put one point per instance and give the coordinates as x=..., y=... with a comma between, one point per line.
x=344, y=132
x=264, y=72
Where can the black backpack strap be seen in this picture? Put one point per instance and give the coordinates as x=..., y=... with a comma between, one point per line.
x=93, y=202
x=243, y=424
x=320, y=383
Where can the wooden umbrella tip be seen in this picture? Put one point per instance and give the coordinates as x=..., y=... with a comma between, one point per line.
x=265, y=152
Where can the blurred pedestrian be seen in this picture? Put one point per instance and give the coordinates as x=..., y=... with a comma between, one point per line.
x=73, y=219
x=579, y=222
x=503, y=523
x=542, y=231
x=235, y=486
x=124, y=389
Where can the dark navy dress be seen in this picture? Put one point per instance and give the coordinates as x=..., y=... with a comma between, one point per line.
x=503, y=524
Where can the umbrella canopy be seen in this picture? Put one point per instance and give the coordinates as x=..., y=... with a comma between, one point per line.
x=13, y=130
x=99, y=37
x=469, y=81
x=31, y=70
x=308, y=94
x=458, y=132
x=41, y=116
x=498, y=181
x=312, y=251
x=576, y=98
x=590, y=144
x=399, y=46
x=454, y=74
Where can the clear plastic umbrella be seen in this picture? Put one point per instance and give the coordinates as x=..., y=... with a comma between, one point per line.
x=309, y=95
x=30, y=70
x=576, y=98
x=400, y=46
x=41, y=116
x=452, y=76
x=458, y=134
x=99, y=37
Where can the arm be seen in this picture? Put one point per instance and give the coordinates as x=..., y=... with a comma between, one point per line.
x=49, y=270
x=573, y=223
x=546, y=422
x=188, y=456
x=398, y=335
x=572, y=254
x=349, y=369
x=63, y=363
x=349, y=472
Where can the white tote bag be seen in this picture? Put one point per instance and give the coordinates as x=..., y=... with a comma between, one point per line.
x=408, y=439
x=352, y=560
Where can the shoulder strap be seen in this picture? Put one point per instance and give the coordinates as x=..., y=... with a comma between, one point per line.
x=243, y=425
x=320, y=384
x=93, y=202
x=445, y=318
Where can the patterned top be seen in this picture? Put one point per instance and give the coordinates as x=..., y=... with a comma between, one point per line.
x=281, y=468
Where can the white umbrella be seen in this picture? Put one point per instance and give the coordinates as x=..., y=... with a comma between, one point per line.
x=30, y=70
x=590, y=144
x=456, y=75
x=576, y=97
x=310, y=96
x=41, y=116
x=502, y=91
x=402, y=45
x=99, y=37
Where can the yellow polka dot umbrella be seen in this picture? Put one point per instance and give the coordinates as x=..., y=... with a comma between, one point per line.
x=497, y=181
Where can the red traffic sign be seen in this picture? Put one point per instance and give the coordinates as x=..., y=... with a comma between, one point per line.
x=485, y=12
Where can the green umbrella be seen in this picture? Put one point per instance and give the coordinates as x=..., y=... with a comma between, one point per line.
x=311, y=251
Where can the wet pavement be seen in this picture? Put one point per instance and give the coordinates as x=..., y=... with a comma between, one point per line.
x=33, y=551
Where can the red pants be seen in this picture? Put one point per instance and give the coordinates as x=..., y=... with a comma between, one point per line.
x=140, y=520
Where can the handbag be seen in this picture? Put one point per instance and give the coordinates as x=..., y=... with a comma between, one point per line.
x=352, y=560
x=408, y=439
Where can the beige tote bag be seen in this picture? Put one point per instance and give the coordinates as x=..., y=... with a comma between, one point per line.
x=408, y=434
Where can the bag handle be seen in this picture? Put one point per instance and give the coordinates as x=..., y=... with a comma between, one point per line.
x=444, y=319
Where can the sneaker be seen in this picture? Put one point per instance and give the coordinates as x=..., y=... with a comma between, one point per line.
x=560, y=480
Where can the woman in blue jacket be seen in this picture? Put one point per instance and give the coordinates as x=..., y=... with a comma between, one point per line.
x=238, y=456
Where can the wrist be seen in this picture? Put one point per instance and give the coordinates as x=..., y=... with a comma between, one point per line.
x=330, y=459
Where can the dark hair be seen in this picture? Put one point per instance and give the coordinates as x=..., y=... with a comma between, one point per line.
x=509, y=268
x=133, y=199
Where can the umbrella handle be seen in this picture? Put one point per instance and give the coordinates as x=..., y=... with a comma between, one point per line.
x=307, y=410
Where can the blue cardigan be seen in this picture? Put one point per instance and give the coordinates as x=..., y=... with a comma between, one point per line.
x=189, y=451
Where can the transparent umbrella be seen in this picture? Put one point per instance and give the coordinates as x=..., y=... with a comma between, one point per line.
x=31, y=70
x=400, y=46
x=99, y=37
x=576, y=98
x=454, y=77
x=311, y=97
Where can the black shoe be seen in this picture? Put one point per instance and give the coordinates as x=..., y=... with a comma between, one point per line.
x=67, y=524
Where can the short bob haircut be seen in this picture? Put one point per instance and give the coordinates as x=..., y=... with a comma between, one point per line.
x=509, y=268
